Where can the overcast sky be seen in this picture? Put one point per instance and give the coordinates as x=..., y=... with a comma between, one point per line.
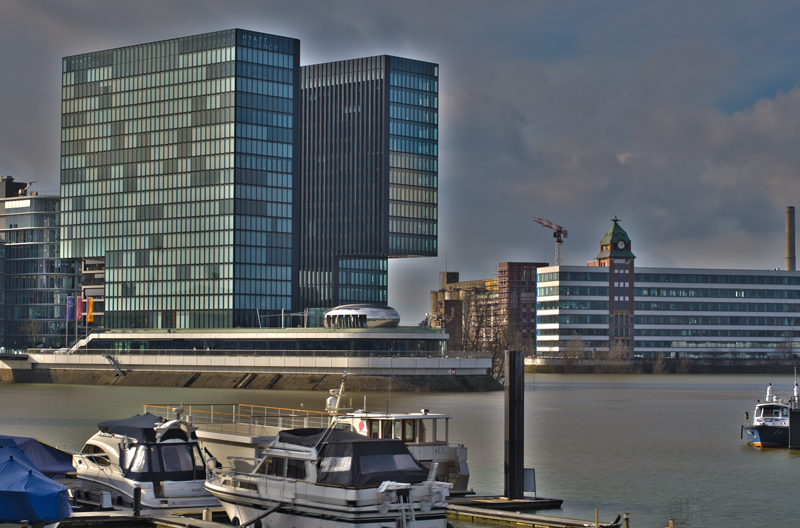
x=680, y=118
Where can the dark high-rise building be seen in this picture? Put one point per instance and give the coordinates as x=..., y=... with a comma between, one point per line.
x=178, y=165
x=368, y=178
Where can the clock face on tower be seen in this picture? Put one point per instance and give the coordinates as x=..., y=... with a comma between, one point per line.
x=621, y=244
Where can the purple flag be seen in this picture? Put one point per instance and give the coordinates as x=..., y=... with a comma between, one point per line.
x=70, y=308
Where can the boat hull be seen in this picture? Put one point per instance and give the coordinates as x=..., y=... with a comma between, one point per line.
x=189, y=494
x=249, y=509
x=767, y=435
x=301, y=517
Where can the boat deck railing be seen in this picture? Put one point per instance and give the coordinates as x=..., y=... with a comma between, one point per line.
x=242, y=419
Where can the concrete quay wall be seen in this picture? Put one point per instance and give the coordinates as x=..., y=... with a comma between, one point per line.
x=256, y=372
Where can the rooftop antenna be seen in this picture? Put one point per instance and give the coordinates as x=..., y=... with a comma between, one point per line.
x=24, y=192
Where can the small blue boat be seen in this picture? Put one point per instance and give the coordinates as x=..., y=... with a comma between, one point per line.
x=770, y=427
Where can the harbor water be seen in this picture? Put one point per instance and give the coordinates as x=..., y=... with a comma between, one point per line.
x=658, y=447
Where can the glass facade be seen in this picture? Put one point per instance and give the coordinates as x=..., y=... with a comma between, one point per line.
x=738, y=313
x=413, y=158
x=177, y=169
x=368, y=177
x=37, y=281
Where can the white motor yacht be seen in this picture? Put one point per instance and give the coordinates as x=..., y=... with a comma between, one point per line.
x=162, y=458
x=329, y=478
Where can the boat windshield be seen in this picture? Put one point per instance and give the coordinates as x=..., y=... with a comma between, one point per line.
x=178, y=461
x=772, y=411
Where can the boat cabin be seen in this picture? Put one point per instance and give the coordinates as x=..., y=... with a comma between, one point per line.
x=146, y=449
x=412, y=428
x=771, y=412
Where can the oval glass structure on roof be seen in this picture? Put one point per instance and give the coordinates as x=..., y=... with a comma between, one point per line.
x=361, y=316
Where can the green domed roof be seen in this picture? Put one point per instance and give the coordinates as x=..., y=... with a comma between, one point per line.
x=610, y=243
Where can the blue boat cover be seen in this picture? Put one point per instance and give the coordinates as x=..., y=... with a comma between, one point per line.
x=25, y=493
x=51, y=461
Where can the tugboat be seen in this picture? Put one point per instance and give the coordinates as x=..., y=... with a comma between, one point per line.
x=330, y=478
x=161, y=458
x=770, y=426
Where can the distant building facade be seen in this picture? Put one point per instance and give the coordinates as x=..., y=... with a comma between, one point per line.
x=37, y=281
x=488, y=313
x=583, y=310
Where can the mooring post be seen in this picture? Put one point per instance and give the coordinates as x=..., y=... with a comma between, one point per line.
x=137, y=501
x=794, y=429
x=514, y=424
x=626, y=518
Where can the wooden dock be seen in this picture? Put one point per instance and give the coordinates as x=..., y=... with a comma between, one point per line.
x=488, y=512
x=522, y=519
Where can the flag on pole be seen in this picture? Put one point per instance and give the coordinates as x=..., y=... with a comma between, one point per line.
x=79, y=309
x=70, y=308
x=90, y=310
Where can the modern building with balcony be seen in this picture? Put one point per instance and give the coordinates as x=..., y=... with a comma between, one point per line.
x=37, y=281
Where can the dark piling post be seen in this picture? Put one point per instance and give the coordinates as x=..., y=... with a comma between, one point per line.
x=137, y=501
x=514, y=424
x=794, y=429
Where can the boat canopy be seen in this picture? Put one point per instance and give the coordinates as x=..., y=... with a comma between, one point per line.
x=51, y=461
x=350, y=460
x=142, y=428
x=25, y=493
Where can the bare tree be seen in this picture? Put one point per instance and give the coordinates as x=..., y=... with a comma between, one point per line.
x=33, y=329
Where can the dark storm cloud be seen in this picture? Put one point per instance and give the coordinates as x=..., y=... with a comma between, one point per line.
x=681, y=118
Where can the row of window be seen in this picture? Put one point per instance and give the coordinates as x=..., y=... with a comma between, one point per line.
x=362, y=278
x=786, y=280
x=411, y=245
x=349, y=295
x=413, y=113
x=170, y=100
x=252, y=303
x=412, y=177
x=413, y=146
x=28, y=266
x=673, y=292
x=413, y=194
x=182, y=301
x=414, y=81
x=414, y=130
x=118, y=157
x=260, y=255
x=89, y=125
x=417, y=162
x=17, y=221
x=411, y=210
x=216, y=318
x=407, y=96
x=28, y=236
x=413, y=227
x=32, y=251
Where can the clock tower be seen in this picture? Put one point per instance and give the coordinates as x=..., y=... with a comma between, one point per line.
x=615, y=254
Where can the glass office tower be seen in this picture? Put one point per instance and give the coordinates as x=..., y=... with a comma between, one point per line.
x=368, y=177
x=177, y=169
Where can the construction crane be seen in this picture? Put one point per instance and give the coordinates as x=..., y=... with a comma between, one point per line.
x=558, y=232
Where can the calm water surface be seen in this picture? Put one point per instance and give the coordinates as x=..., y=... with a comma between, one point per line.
x=654, y=446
